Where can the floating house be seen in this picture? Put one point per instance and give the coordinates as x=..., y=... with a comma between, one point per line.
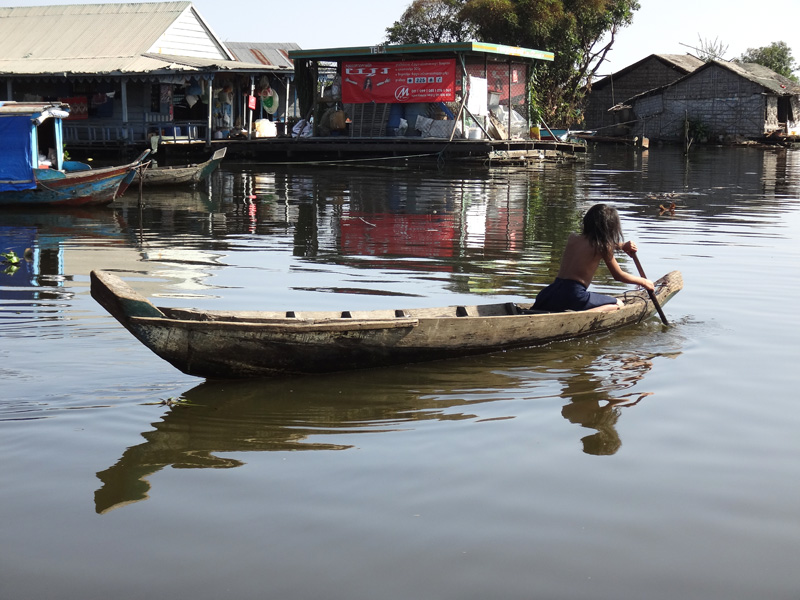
x=278, y=99
x=431, y=101
x=473, y=89
x=720, y=101
x=147, y=75
x=133, y=71
x=651, y=72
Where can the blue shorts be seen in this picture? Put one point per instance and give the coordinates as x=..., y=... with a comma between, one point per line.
x=566, y=294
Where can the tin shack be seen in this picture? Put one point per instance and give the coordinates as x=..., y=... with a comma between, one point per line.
x=132, y=72
x=464, y=100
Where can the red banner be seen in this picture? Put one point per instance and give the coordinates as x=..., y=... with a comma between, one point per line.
x=78, y=107
x=399, y=81
x=387, y=234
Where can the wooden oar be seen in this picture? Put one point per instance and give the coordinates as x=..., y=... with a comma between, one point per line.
x=652, y=294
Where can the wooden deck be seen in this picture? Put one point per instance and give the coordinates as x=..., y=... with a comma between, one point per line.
x=348, y=149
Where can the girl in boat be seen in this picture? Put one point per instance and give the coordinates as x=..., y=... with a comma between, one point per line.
x=601, y=236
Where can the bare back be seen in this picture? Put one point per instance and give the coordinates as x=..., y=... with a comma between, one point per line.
x=580, y=260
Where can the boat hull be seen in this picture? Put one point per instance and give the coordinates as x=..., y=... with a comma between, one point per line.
x=224, y=345
x=188, y=175
x=94, y=187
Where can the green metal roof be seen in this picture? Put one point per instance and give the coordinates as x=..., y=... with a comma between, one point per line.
x=421, y=49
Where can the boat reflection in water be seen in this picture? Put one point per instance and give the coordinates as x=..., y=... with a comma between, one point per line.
x=324, y=412
x=59, y=247
x=37, y=291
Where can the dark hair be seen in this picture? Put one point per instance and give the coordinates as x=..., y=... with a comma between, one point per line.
x=602, y=228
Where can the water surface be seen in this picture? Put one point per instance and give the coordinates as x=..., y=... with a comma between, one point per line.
x=651, y=462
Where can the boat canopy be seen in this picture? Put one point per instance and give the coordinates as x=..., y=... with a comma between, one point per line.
x=16, y=158
x=28, y=130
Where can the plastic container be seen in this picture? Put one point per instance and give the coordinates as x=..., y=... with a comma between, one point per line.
x=264, y=128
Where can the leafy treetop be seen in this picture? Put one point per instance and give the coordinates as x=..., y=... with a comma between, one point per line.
x=776, y=56
x=580, y=33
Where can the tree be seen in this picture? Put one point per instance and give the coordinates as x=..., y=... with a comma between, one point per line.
x=579, y=32
x=711, y=50
x=777, y=56
x=430, y=22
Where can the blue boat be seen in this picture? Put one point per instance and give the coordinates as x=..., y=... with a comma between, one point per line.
x=33, y=171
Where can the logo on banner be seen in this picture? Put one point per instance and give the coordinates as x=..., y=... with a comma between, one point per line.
x=399, y=81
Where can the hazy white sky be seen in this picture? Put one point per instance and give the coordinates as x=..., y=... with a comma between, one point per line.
x=660, y=26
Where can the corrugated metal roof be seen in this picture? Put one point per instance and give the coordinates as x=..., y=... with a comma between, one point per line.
x=276, y=54
x=205, y=63
x=482, y=48
x=143, y=64
x=29, y=108
x=99, y=39
x=84, y=31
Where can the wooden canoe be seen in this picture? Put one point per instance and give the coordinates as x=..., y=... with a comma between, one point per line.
x=183, y=175
x=227, y=345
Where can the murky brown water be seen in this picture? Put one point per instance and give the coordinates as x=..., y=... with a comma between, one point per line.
x=647, y=463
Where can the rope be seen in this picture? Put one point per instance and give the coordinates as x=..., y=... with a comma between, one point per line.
x=348, y=160
x=55, y=191
x=625, y=296
x=628, y=299
x=617, y=124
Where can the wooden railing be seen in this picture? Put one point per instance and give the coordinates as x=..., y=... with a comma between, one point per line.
x=98, y=133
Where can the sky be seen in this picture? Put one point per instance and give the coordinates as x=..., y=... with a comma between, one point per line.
x=659, y=26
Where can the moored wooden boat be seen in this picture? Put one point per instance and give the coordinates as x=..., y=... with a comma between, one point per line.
x=561, y=135
x=226, y=345
x=33, y=169
x=183, y=175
